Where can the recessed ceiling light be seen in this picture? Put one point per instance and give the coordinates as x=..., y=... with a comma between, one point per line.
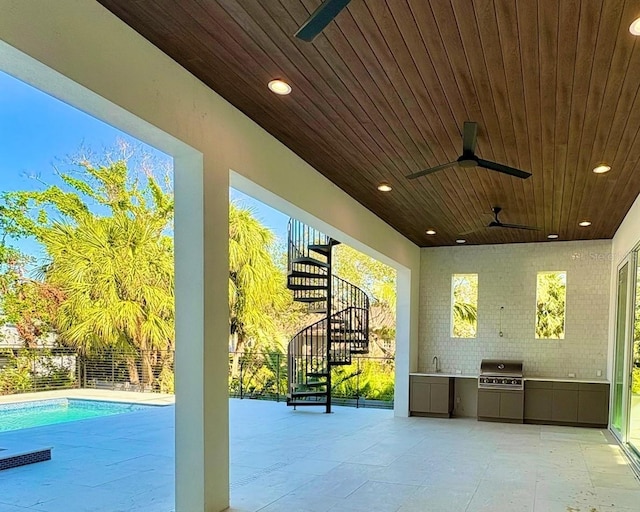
x=279, y=87
x=430, y=232
x=384, y=187
x=601, y=168
x=460, y=241
x=584, y=223
x=552, y=236
x=634, y=28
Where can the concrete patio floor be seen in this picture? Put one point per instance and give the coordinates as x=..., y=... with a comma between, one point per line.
x=306, y=461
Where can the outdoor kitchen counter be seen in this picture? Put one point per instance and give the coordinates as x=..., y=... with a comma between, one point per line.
x=444, y=374
x=547, y=400
x=541, y=379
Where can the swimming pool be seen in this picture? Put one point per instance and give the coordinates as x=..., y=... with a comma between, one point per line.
x=37, y=413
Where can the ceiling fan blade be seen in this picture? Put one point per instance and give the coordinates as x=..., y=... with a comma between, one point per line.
x=320, y=18
x=470, y=231
x=513, y=226
x=469, y=136
x=431, y=170
x=505, y=169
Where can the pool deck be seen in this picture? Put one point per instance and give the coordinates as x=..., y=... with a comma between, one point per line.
x=306, y=461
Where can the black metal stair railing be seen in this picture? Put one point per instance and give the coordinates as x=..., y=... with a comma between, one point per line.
x=308, y=365
x=332, y=340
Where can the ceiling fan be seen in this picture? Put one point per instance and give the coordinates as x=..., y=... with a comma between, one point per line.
x=320, y=18
x=496, y=223
x=469, y=158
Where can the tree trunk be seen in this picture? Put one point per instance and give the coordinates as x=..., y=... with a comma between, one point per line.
x=237, y=353
x=133, y=370
x=147, y=367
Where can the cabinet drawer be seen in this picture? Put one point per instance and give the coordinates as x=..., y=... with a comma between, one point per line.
x=428, y=379
x=573, y=386
x=538, y=384
x=601, y=387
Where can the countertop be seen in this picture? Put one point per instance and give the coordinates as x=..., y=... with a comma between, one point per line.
x=445, y=374
x=547, y=379
x=569, y=379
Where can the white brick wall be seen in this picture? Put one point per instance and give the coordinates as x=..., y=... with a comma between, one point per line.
x=507, y=277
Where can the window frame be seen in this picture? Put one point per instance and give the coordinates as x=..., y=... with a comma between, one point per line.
x=452, y=318
x=564, y=319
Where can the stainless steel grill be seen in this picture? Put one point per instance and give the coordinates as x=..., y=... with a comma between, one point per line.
x=500, y=374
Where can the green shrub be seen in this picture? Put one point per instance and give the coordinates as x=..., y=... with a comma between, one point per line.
x=15, y=377
x=166, y=380
x=635, y=383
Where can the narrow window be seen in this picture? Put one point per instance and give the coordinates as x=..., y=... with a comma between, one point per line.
x=464, y=305
x=551, y=297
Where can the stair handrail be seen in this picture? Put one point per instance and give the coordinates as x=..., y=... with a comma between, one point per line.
x=299, y=237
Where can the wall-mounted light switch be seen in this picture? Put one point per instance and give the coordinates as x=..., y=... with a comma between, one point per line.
x=599, y=373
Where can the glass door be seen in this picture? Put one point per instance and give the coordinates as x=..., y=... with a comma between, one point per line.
x=633, y=434
x=617, y=413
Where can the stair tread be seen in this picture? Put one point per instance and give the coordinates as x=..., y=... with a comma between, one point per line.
x=321, y=248
x=309, y=275
x=308, y=260
x=310, y=299
x=303, y=402
x=311, y=384
x=317, y=374
x=306, y=287
x=307, y=393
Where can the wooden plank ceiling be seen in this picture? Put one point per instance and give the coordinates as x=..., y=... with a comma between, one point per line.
x=384, y=91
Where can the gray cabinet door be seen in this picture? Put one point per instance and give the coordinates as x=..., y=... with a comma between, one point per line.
x=419, y=396
x=537, y=404
x=511, y=405
x=488, y=403
x=565, y=405
x=593, y=404
x=440, y=402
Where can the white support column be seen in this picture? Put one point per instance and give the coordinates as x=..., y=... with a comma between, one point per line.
x=407, y=310
x=202, y=404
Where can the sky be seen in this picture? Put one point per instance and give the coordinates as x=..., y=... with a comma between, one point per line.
x=40, y=134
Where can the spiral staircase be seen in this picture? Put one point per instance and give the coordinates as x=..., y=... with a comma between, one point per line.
x=342, y=332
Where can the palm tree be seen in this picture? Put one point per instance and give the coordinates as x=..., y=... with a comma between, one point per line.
x=256, y=284
x=113, y=262
x=117, y=275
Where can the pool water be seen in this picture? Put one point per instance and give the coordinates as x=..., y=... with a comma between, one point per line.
x=37, y=413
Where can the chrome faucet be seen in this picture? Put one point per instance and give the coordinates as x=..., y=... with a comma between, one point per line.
x=435, y=361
